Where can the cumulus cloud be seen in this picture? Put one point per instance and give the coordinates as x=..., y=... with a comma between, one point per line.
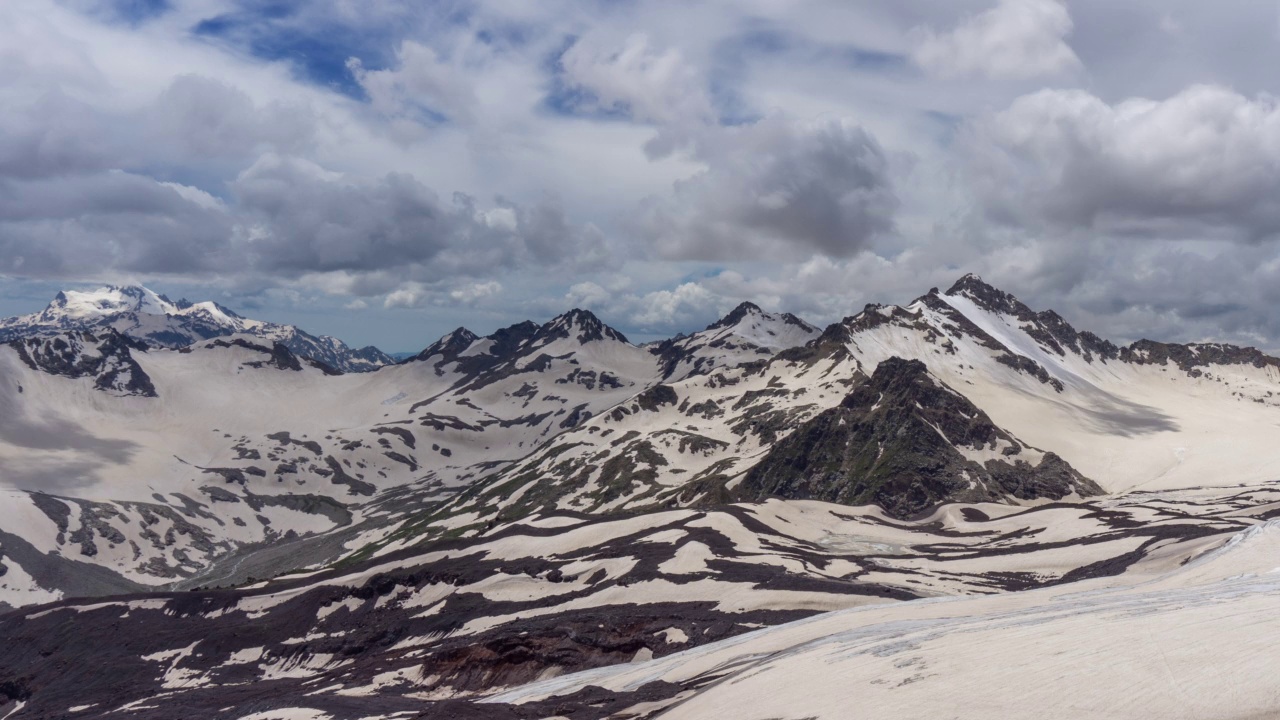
x=83, y=225
x=476, y=291
x=587, y=294
x=776, y=189
x=690, y=304
x=1014, y=39
x=784, y=153
x=1202, y=162
x=53, y=135
x=419, y=295
x=423, y=87
x=80, y=198
x=198, y=119
x=303, y=218
x=648, y=84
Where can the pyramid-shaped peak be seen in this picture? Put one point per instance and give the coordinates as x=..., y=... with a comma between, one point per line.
x=449, y=345
x=987, y=296
x=456, y=341
x=577, y=315
x=581, y=325
x=970, y=282
x=461, y=335
x=737, y=315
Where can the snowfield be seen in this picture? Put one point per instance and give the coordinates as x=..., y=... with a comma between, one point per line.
x=1186, y=642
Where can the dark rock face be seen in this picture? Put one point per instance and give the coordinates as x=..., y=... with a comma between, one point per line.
x=657, y=396
x=672, y=352
x=832, y=343
x=893, y=442
x=581, y=325
x=1191, y=358
x=736, y=316
x=448, y=347
x=106, y=357
x=279, y=356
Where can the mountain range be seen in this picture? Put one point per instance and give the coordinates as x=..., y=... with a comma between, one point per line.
x=143, y=315
x=551, y=520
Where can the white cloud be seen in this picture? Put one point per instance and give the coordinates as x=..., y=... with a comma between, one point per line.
x=643, y=83
x=672, y=308
x=650, y=86
x=196, y=195
x=476, y=291
x=423, y=83
x=1206, y=158
x=587, y=295
x=408, y=297
x=1014, y=39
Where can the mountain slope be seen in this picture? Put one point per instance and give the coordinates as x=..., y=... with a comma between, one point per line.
x=499, y=512
x=1184, y=635
x=139, y=313
x=107, y=358
x=241, y=459
x=906, y=443
x=432, y=631
x=238, y=446
x=1147, y=415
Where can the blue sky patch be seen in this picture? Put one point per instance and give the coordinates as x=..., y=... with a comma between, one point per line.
x=317, y=49
x=134, y=12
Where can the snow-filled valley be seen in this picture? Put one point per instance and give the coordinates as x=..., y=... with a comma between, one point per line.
x=958, y=505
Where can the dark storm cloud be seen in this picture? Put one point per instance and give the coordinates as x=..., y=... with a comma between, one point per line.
x=777, y=189
x=301, y=218
x=83, y=224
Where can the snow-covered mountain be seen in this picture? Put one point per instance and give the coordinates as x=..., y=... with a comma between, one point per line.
x=997, y=403
x=747, y=334
x=139, y=313
x=496, y=513
x=243, y=444
x=1005, y=403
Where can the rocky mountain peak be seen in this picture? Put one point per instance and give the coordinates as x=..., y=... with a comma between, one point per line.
x=460, y=338
x=737, y=315
x=905, y=441
x=449, y=345
x=581, y=325
x=988, y=297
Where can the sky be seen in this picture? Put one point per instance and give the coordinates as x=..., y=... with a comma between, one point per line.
x=387, y=171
